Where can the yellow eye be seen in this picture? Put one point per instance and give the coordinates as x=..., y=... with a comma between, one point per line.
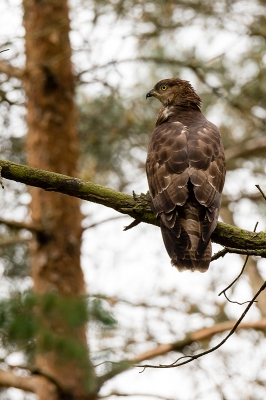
x=164, y=87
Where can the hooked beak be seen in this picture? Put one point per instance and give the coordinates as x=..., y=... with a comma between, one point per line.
x=150, y=93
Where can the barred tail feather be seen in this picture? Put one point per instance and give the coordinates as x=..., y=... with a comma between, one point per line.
x=191, y=261
x=182, y=244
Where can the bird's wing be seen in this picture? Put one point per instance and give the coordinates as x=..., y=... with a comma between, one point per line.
x=186, y=170
x=207, y=174
x=168, y=175
x=167, y=167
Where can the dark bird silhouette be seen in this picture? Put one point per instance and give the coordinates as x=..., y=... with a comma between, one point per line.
x=186, y=172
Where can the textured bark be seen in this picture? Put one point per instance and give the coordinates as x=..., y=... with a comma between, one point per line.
x=52, y=145
x=138, y=207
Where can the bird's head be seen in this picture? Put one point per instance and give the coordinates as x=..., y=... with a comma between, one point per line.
x=173, y=92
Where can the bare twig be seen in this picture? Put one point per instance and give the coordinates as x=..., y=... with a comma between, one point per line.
x=219, y=254
x=263, y=195
x=104, y=221
x=132, y=225
x=223, y=252
x=234, y=281
x=234, y=302
x=118, y=394
x=189, y=359
x=113, y=300
x=241, y=272
x=199, y=335
x=260, y=252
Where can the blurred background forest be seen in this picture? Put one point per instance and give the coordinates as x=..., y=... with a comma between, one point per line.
x=134, y=300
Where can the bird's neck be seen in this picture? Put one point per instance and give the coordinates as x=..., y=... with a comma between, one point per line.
x=184, y=113
x=186, y=106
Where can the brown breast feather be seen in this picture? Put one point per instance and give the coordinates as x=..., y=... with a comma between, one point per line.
x=186, y=171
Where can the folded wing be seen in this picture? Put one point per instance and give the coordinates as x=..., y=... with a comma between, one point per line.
x=186, y=170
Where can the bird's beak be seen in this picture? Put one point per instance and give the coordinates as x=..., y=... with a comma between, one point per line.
x=150, y=93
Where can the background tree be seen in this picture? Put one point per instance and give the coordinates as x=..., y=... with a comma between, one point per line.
x=226, y=64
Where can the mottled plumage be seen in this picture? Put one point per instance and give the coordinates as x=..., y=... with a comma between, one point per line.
x=186, y=171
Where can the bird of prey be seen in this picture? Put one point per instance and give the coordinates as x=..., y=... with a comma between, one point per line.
x=186, y=171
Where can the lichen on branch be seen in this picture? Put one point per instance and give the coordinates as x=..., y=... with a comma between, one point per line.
x=136, y=206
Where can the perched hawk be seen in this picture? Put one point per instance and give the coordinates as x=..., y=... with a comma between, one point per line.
x=186, y=171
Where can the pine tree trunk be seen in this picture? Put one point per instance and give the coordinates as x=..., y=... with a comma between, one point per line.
x=52, y=144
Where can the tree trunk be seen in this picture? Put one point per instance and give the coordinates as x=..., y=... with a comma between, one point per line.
x=52, y=144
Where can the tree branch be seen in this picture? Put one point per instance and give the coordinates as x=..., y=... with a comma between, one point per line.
x=250, y=147
x=13, y=240
x=119, y=394
x=238, y=276
x=113, y=300
x=103, y=222
x=199, y=335
x=34, y=384
x=20, y=225
x=261, y=252
x=189, y=359
x=262, y=193
x=138, y=207
x=10, y=71
x=8, y=379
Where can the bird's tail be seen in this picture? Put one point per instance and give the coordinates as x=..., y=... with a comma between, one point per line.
x=182, y=239
x=193, y=262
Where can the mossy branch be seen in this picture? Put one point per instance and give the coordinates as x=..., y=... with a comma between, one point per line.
x=136, y=206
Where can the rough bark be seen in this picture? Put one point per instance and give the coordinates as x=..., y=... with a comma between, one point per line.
x=52, y=145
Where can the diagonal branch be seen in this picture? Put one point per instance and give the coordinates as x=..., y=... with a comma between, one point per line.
x=138, y=207
x=199, y=335
x=262, y=193
x=192, y=337
x=189, y=359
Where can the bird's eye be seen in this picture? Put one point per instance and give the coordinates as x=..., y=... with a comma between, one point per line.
x=164, y=87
